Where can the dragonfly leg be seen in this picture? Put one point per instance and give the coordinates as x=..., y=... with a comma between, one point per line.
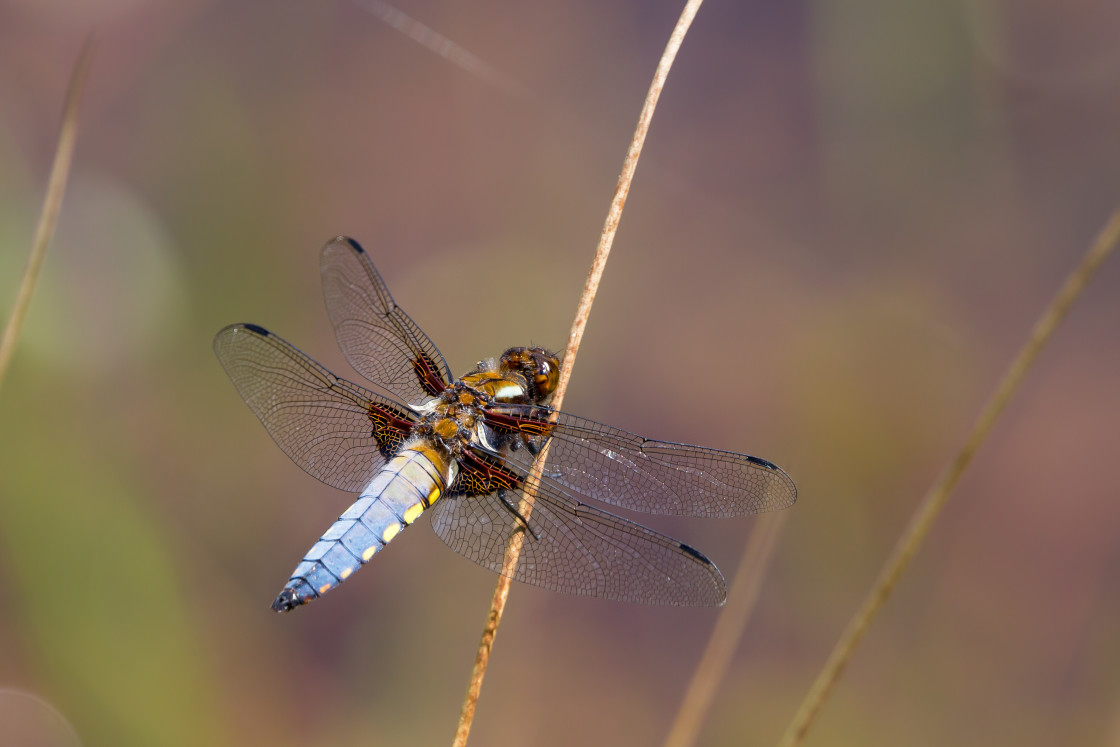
x=532, y=446
x=503, y=496
x=524, y=439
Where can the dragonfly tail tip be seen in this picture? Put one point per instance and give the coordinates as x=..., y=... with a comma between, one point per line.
x=287, y=601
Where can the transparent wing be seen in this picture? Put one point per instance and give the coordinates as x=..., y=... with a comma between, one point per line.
x=378, y=339
x=338, y=432
x=657, y=477
x=580, y=550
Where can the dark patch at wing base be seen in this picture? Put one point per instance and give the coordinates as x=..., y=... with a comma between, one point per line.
x=322, y=422
x=479, y=475
x=376, y=336
x=532, y=426
x=658, y=477
x=580, y=549
x=391, y=428
x=428, y=375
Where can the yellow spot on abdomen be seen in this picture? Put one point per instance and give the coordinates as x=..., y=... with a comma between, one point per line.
x=390, y=532
x=369, y=552
x=324, y=588
x=346, y=573
x=412, y=513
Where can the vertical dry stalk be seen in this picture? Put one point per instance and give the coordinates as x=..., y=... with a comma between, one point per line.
x=583, y=311
x=727, y=632
x=931, y=505
x=52, y=203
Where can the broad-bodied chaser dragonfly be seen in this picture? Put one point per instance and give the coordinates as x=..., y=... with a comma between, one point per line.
x=464, y=448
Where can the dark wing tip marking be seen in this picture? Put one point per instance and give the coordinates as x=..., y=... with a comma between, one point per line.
x=287, y=601
x=789, y=483
x=717, y=576
x=763, y=463
x=257, y=329
x=695, y=553
x=352, y=242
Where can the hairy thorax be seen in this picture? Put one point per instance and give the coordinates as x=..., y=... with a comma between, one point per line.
x=456, y=419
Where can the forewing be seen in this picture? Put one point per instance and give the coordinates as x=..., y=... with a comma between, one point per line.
x=581, y=550
x=338, y=432
x=657, y=477
x=378, y=339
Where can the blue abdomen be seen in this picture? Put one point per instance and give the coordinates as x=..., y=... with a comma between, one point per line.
x=409, y=484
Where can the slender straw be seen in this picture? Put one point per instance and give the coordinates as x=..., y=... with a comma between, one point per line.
x=728, y=631
x=931, y=505
x=52, y=204
x=583, y=311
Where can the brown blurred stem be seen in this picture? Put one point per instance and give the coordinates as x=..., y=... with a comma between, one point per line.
x=727, y=632
x=923, y=519
x=583, y=311
x=52, y=203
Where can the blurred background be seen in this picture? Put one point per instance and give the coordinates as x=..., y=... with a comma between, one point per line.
x=847, y=218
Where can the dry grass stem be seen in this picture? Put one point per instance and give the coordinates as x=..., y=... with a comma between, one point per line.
x=728, y=631
x=934, y=501
x=52, y=203
x=439, y=44
x=583, y=311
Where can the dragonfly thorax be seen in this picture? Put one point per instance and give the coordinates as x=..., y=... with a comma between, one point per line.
x=454, y=420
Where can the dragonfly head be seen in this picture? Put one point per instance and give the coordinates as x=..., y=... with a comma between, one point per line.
x=540, y=368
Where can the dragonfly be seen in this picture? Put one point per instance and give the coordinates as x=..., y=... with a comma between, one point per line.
x=462, y=450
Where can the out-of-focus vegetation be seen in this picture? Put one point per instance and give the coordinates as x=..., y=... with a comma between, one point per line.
x=847, y=217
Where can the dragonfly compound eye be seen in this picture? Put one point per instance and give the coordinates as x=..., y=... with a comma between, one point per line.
x=547, y=374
